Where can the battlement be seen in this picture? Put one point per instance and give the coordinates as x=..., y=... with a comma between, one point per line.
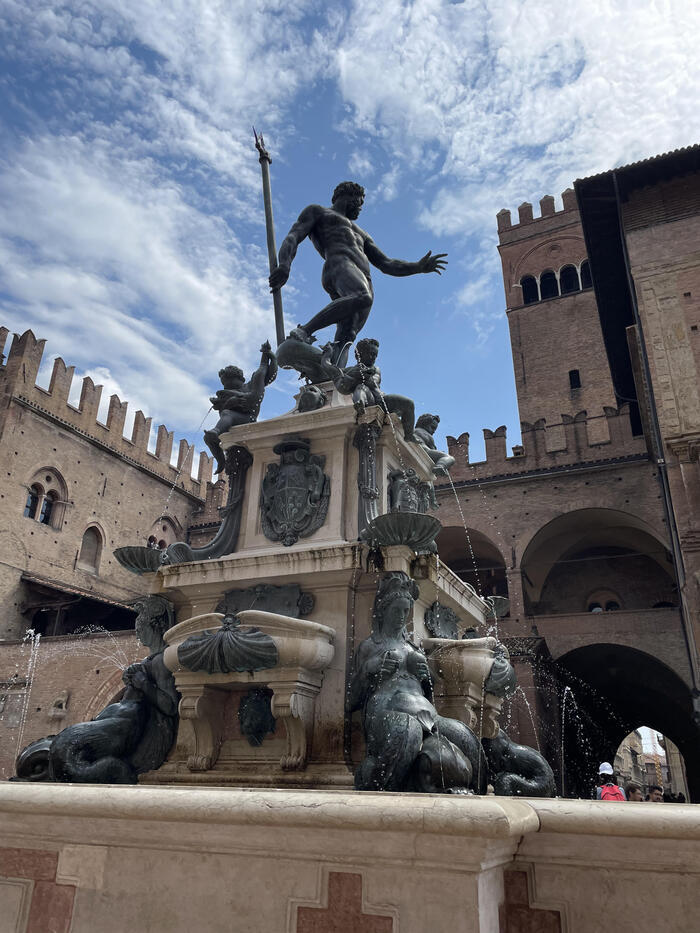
x=18, y=372
x=578, y=439
x=547, y=211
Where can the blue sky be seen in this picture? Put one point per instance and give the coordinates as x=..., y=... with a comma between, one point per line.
x=131, y=230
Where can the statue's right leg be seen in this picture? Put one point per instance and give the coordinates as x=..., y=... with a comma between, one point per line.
x=405, y=409
x=211, y=439
x=394, y=741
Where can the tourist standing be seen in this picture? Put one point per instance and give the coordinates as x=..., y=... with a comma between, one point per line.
x=656, y=794
x=633, y=792
x=607, y=789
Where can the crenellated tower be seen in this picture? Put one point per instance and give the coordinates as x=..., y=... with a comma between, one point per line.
x=561, y=367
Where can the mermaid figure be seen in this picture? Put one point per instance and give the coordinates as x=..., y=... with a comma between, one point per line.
x=130, y=736
x=409, y=745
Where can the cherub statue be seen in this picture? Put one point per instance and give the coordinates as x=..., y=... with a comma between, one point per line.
x=362, y=381
x=239, y=401
x=409, y=745
x=426, y=426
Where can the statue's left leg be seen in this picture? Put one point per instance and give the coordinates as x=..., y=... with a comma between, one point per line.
x=465, y=740
x=406, y=411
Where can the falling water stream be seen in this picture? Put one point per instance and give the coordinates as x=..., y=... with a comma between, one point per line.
x=32, y=639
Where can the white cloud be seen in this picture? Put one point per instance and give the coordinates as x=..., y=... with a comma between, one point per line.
x=102, y=257
x=360, y=164
x=522, y=95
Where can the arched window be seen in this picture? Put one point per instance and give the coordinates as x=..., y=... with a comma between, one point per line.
x=586, y=281
x=603, y=601
x=90, y=550
x=568, y=279
x=47, y=498
x=531, y=293
x=549, y=287
x=32, y=504
x=46, y=513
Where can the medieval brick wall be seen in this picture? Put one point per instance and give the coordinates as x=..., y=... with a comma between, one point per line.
x=662, y=232
x=572, y=518
x=110, y=486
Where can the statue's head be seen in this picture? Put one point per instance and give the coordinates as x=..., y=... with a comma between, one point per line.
x=155, y=617
x=231, y=377
x=348, y=198
x=393, y=604
x=428, y=422
x=311, y=398
x=366, y=351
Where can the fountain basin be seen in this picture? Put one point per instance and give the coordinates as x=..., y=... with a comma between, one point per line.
x=460, y=661
x=138, y=558
x=304, y=649
x=461, y=668
x=414, y=529
x=299, y=642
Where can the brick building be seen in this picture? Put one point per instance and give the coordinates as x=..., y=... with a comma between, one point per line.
x=578, y=526
x=71, y=490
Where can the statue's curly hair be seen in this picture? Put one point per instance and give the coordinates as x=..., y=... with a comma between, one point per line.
x=423, y=420
x=391, y=586
x=231, y=371
x=350, y=188
x=365, y=342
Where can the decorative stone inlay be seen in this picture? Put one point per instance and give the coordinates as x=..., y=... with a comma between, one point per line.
x=51, y=906
x=341, y=911
x=288, y=600
x=518, y=916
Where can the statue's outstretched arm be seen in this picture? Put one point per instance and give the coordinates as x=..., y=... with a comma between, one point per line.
x=288, y=250
x=428, y=263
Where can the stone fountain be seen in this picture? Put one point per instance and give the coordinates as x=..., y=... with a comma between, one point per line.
x=325, y=505
x=314, y=648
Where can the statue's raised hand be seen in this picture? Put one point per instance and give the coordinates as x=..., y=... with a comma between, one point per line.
x=266, y=349
x=418, y=665
x=278, y=277
x=430, y=263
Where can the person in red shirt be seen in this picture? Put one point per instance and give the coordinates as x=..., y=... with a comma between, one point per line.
x=607, y=789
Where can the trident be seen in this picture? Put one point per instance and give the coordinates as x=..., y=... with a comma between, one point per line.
x=265, y=161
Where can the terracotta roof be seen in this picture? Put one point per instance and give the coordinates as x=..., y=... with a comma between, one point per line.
x=651, y=160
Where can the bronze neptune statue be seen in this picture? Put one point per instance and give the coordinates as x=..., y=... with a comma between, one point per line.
x=347, y=252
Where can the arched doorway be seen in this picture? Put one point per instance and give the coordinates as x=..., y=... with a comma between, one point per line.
x=474, y=558
x=645, y=759
x=611, y=688
x=597, y=560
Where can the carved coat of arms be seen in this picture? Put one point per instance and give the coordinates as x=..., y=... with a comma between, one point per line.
x=295, y=493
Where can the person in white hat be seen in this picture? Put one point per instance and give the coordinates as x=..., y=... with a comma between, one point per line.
x=607, y=789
